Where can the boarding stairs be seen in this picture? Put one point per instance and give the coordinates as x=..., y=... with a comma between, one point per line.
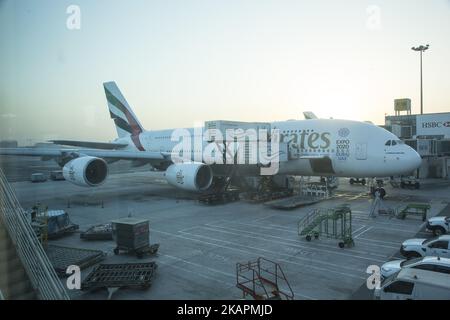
x=313, y=219
x=333, y=223
x=263, y=279
x=25, y=271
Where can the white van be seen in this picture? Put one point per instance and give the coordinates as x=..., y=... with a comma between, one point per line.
x=415, y=284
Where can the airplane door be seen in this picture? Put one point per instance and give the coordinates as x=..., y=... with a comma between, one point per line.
x=361, y=151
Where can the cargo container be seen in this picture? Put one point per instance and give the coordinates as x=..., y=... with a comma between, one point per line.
x=131, y=233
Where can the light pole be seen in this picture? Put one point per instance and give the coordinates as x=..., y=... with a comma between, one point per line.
x=421, y=49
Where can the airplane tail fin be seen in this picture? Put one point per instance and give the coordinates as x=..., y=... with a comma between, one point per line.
x=124, y=118
x=309, y=115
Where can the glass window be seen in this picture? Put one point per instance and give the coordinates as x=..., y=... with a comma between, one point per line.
x=428, y=267
x=388, y=143
x=410, y=262
x=439, y=245
x=394, y=143
x=442, y=269
x=402, y=287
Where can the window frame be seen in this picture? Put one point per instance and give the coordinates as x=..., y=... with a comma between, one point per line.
x=406, y=291
x=438, y=241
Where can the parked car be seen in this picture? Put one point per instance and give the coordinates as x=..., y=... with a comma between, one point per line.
x=436, y=264
x=415, y=284
x=438, y=246
x=439, y=225
x=57, y=175
x=38, y=177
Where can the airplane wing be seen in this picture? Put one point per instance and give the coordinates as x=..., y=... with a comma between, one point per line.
x=90, y=144
x=107, y=154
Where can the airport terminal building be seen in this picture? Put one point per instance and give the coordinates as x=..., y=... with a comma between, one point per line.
x=428, y=134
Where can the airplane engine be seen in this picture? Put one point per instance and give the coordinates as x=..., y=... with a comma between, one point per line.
x=86, y=171
x=190, y=176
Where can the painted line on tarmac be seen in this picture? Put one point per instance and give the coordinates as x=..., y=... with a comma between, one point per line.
x=234, y=246
x=199, y=265
x=358, y=229
x=168, y=264
x=247, y=253
x=295, y=244
x=278, y=253
x=367, y=229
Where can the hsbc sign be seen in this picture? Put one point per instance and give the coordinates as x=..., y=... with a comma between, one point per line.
x=433, y=125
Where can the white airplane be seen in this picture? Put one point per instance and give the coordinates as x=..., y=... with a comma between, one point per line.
x=315, y=147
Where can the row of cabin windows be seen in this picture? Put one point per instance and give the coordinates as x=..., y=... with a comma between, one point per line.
x=168, y=137
x=299, y=131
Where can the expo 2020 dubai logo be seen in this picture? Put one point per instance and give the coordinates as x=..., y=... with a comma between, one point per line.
x=343, y=132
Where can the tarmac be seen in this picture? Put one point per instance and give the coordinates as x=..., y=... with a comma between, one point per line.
x=201, y=244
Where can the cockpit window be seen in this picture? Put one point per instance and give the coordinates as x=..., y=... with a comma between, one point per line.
x=393, y=142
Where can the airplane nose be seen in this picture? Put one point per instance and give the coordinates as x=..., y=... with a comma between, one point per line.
x=416, y=159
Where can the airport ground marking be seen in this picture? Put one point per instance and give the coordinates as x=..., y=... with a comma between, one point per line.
x=355, y=231
x=384, y=244
x=294, y=242
x=281, y=259
x=309, y=260
x=263, y=218
x=367, y=229
x=287, y=246
x=259, y=226
x=168, y=264
x=235, y=246
x=394, y=229
x=199, y=265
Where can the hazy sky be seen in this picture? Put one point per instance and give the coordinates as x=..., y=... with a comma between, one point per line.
x=178, y=62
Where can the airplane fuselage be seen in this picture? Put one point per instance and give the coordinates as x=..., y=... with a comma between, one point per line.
x=324, y=147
